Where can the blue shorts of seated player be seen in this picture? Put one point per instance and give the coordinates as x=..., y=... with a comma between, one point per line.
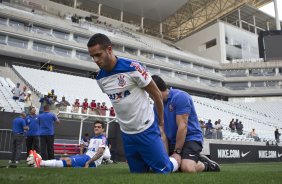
x=80, y=161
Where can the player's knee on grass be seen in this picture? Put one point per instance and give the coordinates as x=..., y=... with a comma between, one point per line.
x=188, y=166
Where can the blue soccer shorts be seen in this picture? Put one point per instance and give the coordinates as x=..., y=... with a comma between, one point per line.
x=145, y=151
x=80, y=161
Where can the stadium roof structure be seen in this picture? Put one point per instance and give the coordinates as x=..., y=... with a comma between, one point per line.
x=263, y=20
x=178, y=18
x=157, y=10
x=196, y=14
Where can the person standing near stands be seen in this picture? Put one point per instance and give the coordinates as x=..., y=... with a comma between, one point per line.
x=232, y=125
x=47, y=131
x=45, y=100
x=51, y=94
x=112, y=112
x=63, y=104
x=27, y=102
x=183, y=130
x=18, y=130
x=23, y=94
x=203, y=126
x=128, y=84
x=98, y=108
x=93, y=105
x=218, y=128
x=209, y=130
x=104, y=108
x=239, y=128
x=32, y=139
x=54, y=104
x=16, y=92
x=76, y=105
x=85, y=106
x=277, y=135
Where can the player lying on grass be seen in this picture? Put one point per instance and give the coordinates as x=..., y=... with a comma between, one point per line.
x=92, y=158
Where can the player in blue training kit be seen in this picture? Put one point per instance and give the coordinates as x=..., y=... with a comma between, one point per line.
x=32, y=138
x=128, y=84
x=183, y=130
x=92, y=158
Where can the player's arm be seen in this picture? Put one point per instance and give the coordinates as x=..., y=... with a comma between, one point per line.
x=144, y=80
x=156, y=95
x=181, y=121
x=25, y=126
x=81, y=149
x=183, y=108
x=56, y=119
x=99, y=153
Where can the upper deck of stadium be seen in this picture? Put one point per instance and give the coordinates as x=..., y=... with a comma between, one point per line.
x=54, y=37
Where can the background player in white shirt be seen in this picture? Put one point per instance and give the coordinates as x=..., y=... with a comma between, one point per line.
x=128, y=84
x=92, y=158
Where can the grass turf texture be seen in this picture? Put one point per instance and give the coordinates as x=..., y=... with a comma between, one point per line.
x=118, y=173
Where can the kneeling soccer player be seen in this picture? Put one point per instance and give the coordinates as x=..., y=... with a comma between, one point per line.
x=183, y=130
x=92, y=158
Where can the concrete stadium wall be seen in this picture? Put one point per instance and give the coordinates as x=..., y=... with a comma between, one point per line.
x=51, y=7
x=195, y=42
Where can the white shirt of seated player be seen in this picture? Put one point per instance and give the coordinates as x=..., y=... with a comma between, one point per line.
x=94, y=145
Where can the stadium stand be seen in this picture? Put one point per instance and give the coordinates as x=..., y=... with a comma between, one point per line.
x=250, y=115
x=69, y=86
x=122, y=36
x=253, y=115
x=6, y=101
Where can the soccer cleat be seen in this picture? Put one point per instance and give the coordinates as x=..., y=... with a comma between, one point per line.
x=37, y=159
x=30, y=159
x=211, y=166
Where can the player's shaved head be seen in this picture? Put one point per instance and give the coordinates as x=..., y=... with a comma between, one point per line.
x=46, y=108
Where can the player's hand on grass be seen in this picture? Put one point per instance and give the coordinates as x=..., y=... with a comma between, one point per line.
x=177, y=157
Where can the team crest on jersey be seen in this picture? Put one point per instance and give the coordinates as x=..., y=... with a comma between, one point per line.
x=121, y=80
x=170, y=107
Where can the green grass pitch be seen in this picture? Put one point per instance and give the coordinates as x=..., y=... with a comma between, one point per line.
x=259, y=173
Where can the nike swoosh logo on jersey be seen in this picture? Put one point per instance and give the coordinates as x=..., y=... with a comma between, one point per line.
x=245, y=154
x=163, y=169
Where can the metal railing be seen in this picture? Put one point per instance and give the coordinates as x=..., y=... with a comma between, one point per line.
x=6, y=141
